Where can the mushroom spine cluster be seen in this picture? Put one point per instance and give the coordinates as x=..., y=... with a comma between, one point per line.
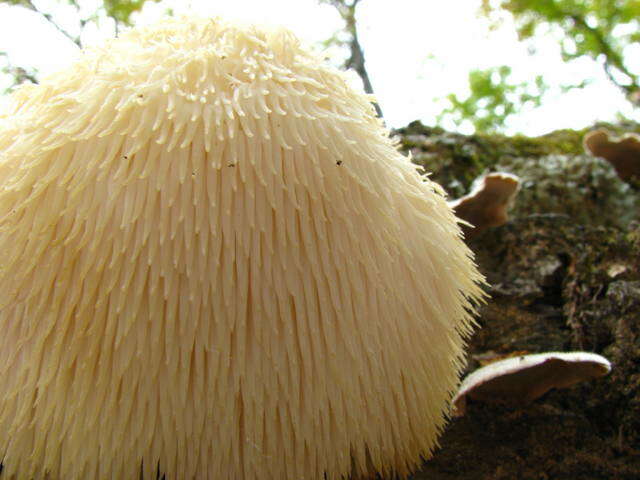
x=215, y=264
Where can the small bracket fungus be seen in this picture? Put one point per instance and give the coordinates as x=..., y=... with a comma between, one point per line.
x=623, y=153
x=520, y=380
x=189, y=284
x=488, y=202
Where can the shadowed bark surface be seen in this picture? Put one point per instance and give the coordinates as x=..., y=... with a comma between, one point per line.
x=565, y=276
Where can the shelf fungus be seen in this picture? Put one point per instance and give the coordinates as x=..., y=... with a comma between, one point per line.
x=622, y=153
x=487, y=204
x=215, y=264
x=520, y=380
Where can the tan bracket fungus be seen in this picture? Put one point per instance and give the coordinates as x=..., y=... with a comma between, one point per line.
x=190, y=283
x=622, y=153
x=487, y=203
x=520, y=380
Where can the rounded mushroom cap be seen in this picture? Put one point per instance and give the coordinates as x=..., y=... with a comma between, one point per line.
x=214, y=263
x=486, y=205
x=623, y=153
x=522, y=379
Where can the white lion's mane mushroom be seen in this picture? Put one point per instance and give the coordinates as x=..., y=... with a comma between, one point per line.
x=215, y=264
x=522, y=379
x=487, y=203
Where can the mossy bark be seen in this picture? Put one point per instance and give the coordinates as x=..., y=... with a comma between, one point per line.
x=564, y=275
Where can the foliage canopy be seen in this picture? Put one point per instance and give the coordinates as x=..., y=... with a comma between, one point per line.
x=605, y=31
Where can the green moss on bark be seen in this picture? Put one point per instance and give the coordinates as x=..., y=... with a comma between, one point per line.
x=557, y=176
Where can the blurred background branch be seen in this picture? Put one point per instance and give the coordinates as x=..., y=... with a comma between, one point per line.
x=355, y=61
x=118, y=12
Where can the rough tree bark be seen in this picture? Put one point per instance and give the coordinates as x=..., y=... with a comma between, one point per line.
x=564, y=275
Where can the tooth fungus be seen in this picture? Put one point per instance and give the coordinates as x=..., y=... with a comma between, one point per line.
x=215, y=264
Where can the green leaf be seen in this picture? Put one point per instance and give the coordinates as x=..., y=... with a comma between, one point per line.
x=121, y=10
x=601, y=30
x=493, y=98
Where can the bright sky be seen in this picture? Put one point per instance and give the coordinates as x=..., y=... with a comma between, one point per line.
x=417, y=52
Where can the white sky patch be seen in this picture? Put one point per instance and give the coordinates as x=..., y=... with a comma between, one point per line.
x=415, y=53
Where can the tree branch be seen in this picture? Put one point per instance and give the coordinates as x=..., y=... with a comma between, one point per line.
x=356, y=61
x=613, y=58
x=356, y=58
x=19, y=74
x=28, y=4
